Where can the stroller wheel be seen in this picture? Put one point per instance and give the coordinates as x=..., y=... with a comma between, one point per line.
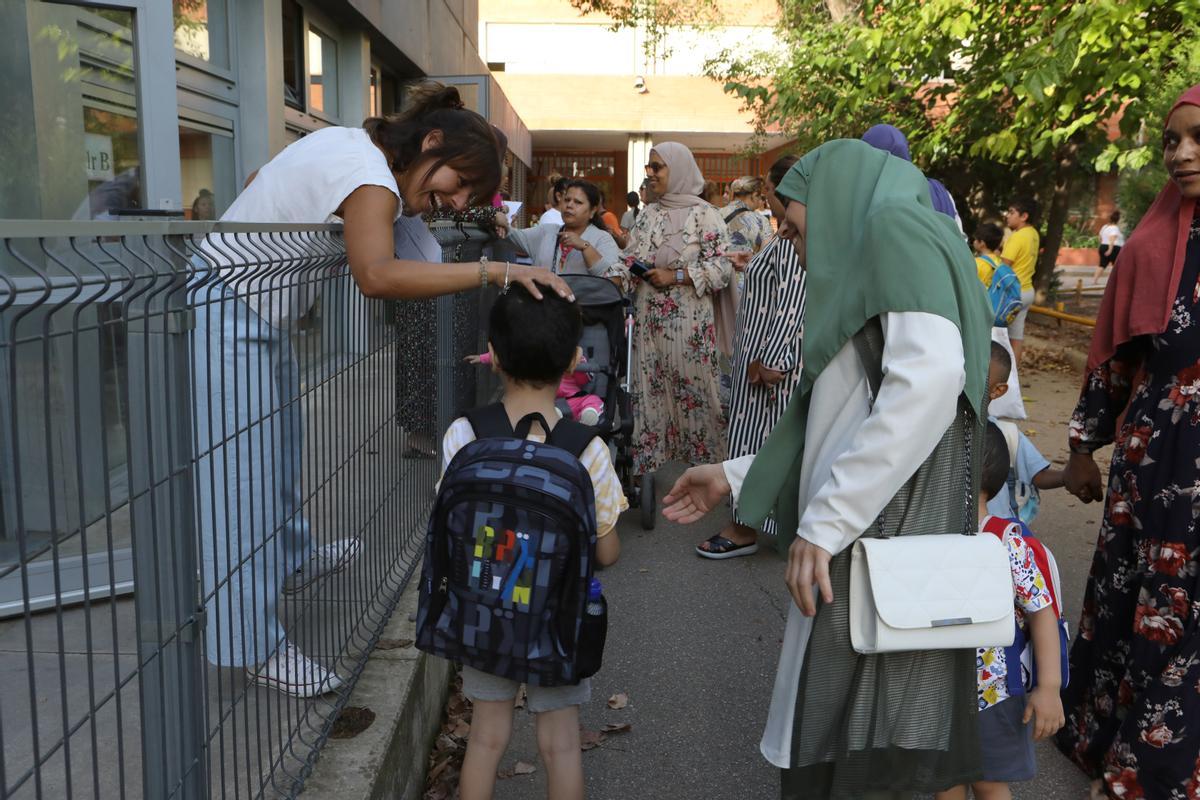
x=648, y=504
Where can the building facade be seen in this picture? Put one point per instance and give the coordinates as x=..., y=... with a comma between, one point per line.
x=596, y=101
x=126, y=106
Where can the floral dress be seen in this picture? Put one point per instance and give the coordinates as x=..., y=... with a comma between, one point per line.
x=1133, y=702
x=676, y=378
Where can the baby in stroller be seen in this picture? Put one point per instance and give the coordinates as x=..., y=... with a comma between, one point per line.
x=572, y=392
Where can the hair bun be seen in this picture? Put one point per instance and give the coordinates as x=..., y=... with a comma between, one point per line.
x=430, y=96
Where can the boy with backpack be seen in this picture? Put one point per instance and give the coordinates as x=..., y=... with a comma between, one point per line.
x=1003, y=285
x=1029, y=471
x=1009, y=723
x=527, y=504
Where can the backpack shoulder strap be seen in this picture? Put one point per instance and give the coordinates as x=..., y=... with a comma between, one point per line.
x=490, y=422
x=572, y=436
x=734, y=214
x=991, y=261
x=998, y=526
x=868, y=343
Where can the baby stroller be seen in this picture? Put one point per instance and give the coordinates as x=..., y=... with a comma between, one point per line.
x=607, y=347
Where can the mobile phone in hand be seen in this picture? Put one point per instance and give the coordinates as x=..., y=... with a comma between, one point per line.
x=639, y=268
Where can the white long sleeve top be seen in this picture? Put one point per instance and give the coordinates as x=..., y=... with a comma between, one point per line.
x=856, y=457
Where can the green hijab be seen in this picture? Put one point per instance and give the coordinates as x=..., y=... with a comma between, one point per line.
x=874, y=245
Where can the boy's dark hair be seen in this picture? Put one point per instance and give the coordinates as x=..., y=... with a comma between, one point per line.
x=990, y=234
x=1114, y=217
x=995, y=462
x=559, y=188
x=1001, y=358
x=1026, y=205
x=534, y=340
x=633, y=199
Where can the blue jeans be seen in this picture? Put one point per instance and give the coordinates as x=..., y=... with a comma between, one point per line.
x=248, y=446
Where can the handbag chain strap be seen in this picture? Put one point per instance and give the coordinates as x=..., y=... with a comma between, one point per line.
x=868, y=344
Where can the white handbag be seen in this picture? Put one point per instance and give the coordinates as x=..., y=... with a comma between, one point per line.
x=933, y=592
x=927, y=592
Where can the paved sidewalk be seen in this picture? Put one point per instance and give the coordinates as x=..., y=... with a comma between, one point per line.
x=694, y=644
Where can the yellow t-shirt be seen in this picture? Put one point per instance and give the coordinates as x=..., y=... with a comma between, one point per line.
x=1022, y=250
x=985, y=271
x=610, y=498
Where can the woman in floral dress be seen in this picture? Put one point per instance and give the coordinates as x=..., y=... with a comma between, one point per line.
x=677, y=407
x=1133, y=702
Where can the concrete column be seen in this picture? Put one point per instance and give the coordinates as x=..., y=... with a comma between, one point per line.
x=259, y=30
x=638, y=154
x=354, y=77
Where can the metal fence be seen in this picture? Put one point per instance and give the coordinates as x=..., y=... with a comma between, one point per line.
x=190, y=413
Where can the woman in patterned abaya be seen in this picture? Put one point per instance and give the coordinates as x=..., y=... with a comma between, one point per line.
x=1133, y=703
x=677, y=412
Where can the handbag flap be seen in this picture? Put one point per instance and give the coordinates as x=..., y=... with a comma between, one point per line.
x=939, y=580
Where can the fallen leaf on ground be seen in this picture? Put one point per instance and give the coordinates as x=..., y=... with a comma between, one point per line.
x=643, y=569
x=351, y=722
x=1030, y=432
x=520, y=768
x=461, y=729
x=393, y=644
x=589, y=739
x=520, y=701
x=618, y=701
x=617, y=727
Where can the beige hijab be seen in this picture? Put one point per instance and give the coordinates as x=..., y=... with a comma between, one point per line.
x=684, y=185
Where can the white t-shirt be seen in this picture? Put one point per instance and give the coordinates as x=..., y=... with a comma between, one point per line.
x=303, y=184
x=551, y=217
x=1111, y=235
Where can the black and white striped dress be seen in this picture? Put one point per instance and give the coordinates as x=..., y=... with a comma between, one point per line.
x=769, y=329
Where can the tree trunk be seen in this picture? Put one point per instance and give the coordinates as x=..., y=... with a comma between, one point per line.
x=1056, y=220
x=840, y=9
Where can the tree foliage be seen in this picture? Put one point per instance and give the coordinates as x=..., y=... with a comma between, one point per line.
x=997, y=97
x=654, y=18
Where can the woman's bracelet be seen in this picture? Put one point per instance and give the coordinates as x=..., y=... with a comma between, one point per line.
x=483, y=272
x=507, y=267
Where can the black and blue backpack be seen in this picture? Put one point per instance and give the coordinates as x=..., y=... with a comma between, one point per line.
x=509, y=554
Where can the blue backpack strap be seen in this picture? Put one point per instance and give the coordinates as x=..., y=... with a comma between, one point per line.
x=572, y=436
x=491, y=422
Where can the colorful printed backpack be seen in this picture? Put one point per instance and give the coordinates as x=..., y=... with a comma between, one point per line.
x=1020, y=651
x=1004, y=292
x=509, y=553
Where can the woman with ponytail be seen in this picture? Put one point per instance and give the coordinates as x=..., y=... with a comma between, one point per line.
x=256, y=541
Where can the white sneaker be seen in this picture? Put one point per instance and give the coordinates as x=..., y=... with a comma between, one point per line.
x=325, y=560
x=294, y=673
x=590, y=417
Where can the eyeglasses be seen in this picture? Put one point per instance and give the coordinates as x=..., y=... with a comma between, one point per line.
x=655, y=167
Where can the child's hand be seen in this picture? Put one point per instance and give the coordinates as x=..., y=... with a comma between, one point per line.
x=1044, y=707
x=473, y=360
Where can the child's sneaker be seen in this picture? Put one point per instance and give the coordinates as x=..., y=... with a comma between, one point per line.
x=294, y=673
x=590, y=417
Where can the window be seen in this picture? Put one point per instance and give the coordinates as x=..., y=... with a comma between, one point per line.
x=201, y=30
x=206, y=162
x=71, y=151
x=293, y=55
x=322, y=73
x=376, y=98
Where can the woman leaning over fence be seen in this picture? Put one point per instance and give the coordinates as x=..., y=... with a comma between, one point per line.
x=248, y=294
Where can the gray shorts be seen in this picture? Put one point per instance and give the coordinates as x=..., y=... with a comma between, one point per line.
x=1016, y=328
x=1007, y=742
x=482, y=686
